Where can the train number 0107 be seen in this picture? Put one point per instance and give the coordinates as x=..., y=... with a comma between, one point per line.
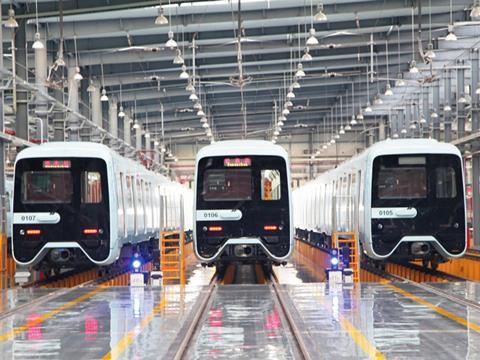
x=28, y=217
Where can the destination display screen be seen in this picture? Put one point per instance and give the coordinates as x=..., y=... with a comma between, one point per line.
x=237, y=162
x=57, y=164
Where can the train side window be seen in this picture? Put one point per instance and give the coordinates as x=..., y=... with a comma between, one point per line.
x=271, y=185
x=91, y=187
x=446, y=185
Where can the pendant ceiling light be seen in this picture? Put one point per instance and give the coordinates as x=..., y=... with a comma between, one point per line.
x=413, y=126
x=312, y=39
x=306, y=55
x=388, y=90
x=91, y=88
x=161, y=19
x=288, y=104
x=203, y=119
x=451, y=30
x=200, y=113
x=320, y=15
x=403, y=131
x=447, y=108
x=353, y=122
x=121, y=113
x=342, y=130
x=290, y=94
x=430, y=53
x=378, y=100
x=77, y=76
x=282, y=118
x=11, y=23
x=368, y=108
x=462, y=99
x=38, y=43
x=360, y=115
x=300, y=73
x=413, y=67
x=280, y=123
x=197, y=106
x=178, y=59
x=193, y=97
x=434, y=114
x=285, y=112
x=422, y=119
x=136, y=125
x=296, y=84
x=190, y=87
x=348, y=127
x=475, y=12
x=104, y=96
x=171, y=43
x=451, y=35
x=184, y=73
x=205, y=125
x=400, y=82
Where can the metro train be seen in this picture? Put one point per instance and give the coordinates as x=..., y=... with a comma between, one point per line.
x=79, y=203
x=404, y=198
x=243, y=204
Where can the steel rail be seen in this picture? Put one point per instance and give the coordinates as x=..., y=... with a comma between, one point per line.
x=288, y=316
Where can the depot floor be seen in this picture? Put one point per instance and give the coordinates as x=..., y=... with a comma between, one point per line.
x=365, y=321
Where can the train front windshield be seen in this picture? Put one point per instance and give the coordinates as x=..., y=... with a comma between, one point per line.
x=255, y=187
x=59, y=200
x=418, y=195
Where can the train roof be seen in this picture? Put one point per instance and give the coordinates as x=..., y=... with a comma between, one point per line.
x=242, y=147
x=411, y=146
x=67, y=149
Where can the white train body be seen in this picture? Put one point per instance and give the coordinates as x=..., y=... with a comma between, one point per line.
x=243, y=203
x=388, y=195
x=76, y=197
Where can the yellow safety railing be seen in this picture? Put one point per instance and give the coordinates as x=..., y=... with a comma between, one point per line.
x=340, y=239
x=172, y=256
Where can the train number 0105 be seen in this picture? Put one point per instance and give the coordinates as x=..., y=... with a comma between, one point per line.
x=385, y=212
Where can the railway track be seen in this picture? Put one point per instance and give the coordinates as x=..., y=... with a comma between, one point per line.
x=51, y=282
x=180, y=347
x=427, y=287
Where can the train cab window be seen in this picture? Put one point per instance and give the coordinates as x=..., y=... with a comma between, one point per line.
x=91, y=183
x=47, y=187
x=402, y=182
x=446, y=186
x=271, y=186
x=227, y=185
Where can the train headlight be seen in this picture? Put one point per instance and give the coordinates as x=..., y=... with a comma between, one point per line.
x=456, y=225
x=136, y=264
x=334, y=261
x=379, y=226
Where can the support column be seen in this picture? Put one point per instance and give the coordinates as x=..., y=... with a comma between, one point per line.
x=138, y=138
x=21, y=116
x=58, y=121
x=448, y=101
x=401, y=123
x=476, y=198
x=96, y=107
x=113, y=121
x=460, y=93
x=72, y=120
x=436, y=106
x=41, y=103
x=408, y=121
x=426, y=114
x=475, y=79
x=381, y=130
x=126, y=130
